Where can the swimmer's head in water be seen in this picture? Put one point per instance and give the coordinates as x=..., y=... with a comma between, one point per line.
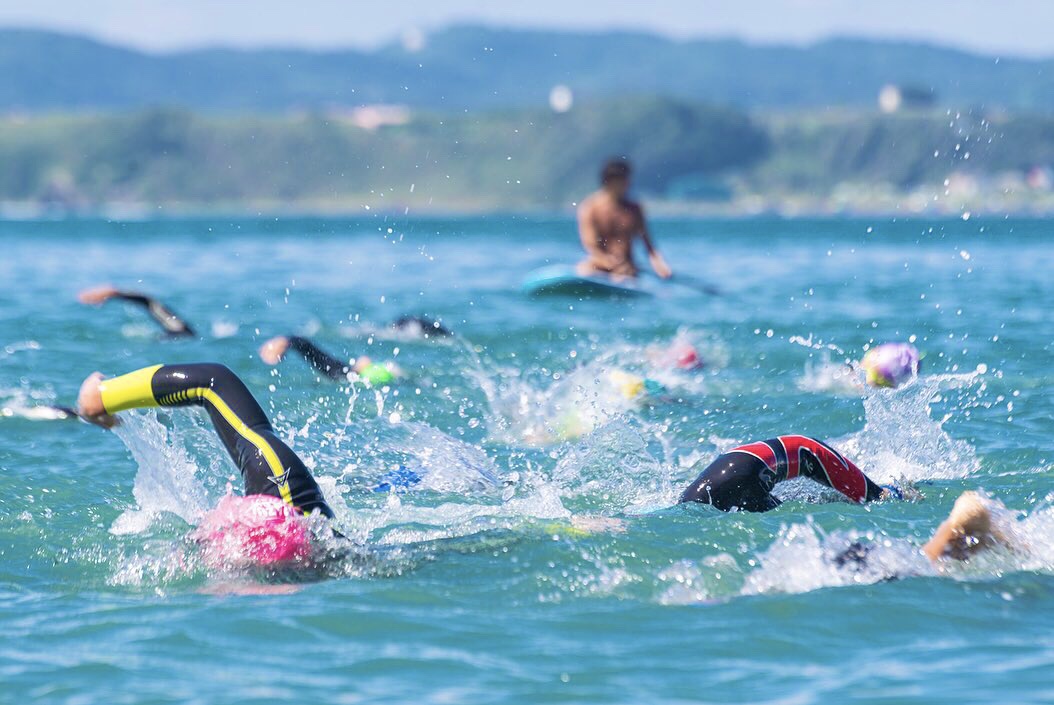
x=632, y=387
x=420, y=326
x=376, y=374
x=686, y=357
x=253, y=531
x=890, y=364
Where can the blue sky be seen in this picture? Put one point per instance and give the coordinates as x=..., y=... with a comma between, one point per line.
x=1002, y=27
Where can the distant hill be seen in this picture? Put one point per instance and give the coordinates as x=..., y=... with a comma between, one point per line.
x=511, y=159
x=478, y=67
x=685, y=155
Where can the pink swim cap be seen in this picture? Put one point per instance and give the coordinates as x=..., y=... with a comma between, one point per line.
x=258, y=530
x=686, y=357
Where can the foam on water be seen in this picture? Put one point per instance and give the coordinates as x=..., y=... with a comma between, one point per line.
x=614, y=471
x=29, y=404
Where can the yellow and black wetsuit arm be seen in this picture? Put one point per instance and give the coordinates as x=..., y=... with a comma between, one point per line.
x=165, y=317
x=318, y=358
x=268, y=466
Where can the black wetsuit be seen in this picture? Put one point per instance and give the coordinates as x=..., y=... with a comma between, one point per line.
x=426, y=326
x=318, y=358
x=744, y=477
x=172, y=324
x=268, y=466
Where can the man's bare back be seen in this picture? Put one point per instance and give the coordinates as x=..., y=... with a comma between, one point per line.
x=608, y=224
x=608, y=227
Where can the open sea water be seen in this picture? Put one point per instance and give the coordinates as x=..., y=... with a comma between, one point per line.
x=474, y=587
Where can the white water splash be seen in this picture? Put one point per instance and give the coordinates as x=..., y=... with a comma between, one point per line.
x=900, y=440
x=166, y=480
x=224, y=329
x=824, y=375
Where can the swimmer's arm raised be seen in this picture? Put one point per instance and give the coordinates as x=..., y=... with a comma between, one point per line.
x=318, y=358
x=165, y=317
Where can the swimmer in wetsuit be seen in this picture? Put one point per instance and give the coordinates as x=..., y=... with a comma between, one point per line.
x=422, y=326
x=744, y=477
x=268, y=466
x=173, y=325
x=332, y=367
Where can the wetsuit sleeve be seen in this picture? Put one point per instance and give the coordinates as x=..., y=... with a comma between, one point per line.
x=268, y=466
x=165, y=317
x=319, y=358
x=819, y=462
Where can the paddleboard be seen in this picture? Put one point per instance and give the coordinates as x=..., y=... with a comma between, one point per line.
x=562, y=280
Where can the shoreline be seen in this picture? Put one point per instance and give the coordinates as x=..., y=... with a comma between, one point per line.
x=804, y=208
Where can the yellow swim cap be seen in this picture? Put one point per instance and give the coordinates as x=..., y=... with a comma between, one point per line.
x=631, y=386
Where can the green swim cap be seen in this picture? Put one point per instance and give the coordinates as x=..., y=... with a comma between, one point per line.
x=377, y=375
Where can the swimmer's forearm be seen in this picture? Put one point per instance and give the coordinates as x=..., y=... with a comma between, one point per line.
x=131, y=391
x=164, y=316
x=938, y=544
x=318, y=358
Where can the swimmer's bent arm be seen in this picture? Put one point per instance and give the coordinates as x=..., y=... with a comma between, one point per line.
x=839, y=473
x=275, y=349
x=268, y=466
x=165, y=317
x=318, y=358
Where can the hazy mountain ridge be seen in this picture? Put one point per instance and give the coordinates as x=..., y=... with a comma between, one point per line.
x=481, y=67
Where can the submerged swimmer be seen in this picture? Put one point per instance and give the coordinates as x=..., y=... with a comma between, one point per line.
x=608, y=225
x=173, y=325
x=273, y=351
x=970, y=528
x=268, y=524
x=744, y=477
x=421, y=326
x=44, y=412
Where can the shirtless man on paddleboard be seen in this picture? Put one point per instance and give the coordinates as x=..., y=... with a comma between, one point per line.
x=609, y=222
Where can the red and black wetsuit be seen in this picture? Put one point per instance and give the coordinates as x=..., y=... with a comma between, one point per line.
x=743, y=478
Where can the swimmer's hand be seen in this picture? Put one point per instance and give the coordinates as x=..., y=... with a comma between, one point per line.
x=274, y=350
x=96, y=296
x=89, y=402
x=659, y=265
x=904, y=491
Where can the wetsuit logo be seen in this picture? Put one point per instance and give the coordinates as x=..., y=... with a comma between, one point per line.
x=281, y=480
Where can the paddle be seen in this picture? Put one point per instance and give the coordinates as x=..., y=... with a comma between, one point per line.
x=690, y=282
x=697, y=284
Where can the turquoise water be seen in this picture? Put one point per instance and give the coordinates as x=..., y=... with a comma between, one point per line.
x=473, y=588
